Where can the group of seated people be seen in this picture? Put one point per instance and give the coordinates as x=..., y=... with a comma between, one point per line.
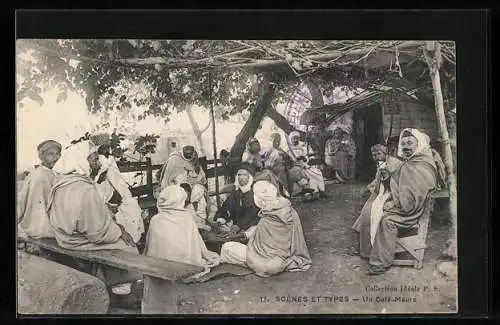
x=78, y=197
x=292, y=169
x=398, y=196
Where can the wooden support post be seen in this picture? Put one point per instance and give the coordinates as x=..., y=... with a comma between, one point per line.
x=149, y=177
x=432, y=52
x=214, y=142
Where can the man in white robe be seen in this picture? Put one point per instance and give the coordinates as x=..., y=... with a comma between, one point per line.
x=32, y=217
x=79, y=218
x=299, y=152
x=110, y=183
x=184, y=167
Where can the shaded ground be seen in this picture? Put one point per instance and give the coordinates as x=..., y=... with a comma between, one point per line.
x=334, y=273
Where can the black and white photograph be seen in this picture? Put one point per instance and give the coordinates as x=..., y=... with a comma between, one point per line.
x=223, y=177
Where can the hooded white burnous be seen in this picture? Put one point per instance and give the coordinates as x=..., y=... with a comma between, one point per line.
x=129, y=212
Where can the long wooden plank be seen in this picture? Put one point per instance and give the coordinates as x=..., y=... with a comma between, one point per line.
x=158, y=268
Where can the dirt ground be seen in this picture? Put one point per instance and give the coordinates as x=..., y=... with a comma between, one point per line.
x=337, y=282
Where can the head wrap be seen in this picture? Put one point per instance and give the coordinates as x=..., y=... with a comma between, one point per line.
x=248, y=186
x=171, y=197
x=74, y=159
x=189, y=153
x=252, y=141
x=265, y=194
x=379, y=147
x=294, y=134
x=46, y=145
x=423, y=146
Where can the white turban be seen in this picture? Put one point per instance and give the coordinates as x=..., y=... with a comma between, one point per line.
x=265, y=194
x=74, y=159
x=171, y=197
x=294, y=134
x=423, y=142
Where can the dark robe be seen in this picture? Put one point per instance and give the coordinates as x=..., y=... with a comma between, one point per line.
x=240, y=208
x=410, y=187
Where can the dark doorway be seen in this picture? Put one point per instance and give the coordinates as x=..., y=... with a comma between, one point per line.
x=369, y=131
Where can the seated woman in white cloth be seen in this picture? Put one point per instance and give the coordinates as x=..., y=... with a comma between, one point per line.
x=33, y=199
x=79, y=218
x=116, y=194
x=277, y=243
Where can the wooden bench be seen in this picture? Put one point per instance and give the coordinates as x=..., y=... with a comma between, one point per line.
x=167, y=273
x=413, y=241
x=145, y=265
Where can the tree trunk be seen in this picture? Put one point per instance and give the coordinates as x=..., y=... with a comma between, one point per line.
x=266, y=93
x=288, y=128
x=196, y=130
x=281, y=121
x=321, y=135
x=433, y=57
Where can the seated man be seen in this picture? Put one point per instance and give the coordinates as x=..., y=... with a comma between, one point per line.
x=279, y=162
x=277, y=243
x=368, y=220
x=252, y=154
x=116, y=194
x=185, y=167
x=313, y=176
x=173, y=236
x=410, y=186
x=80, y=220
x=33, y=199
x=239, y=209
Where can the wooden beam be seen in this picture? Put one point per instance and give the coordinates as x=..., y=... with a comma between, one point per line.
x=432, y=52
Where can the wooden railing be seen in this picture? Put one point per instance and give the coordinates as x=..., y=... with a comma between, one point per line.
x=224, y=167
x=140, y=166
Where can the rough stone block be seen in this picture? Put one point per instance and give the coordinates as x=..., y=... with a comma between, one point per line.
x=46, y=287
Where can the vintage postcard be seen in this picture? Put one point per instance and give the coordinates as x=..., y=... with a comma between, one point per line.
x=236, y=176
